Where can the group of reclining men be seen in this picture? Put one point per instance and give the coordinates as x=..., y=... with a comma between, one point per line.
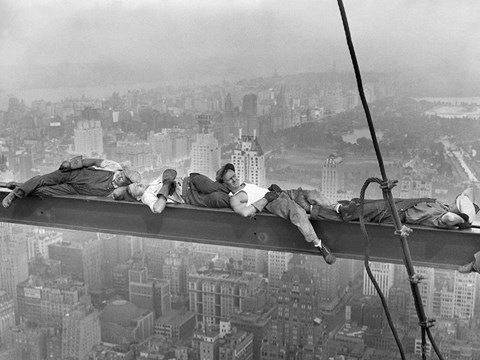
x=98, y=177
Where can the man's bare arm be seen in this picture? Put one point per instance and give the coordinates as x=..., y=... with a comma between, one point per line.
x=156, y=204
x=239, y=204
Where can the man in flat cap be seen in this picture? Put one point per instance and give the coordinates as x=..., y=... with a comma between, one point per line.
x=79, y=176
x=249, y=199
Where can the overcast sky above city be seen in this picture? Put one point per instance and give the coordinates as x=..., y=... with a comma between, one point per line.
x=241, y=37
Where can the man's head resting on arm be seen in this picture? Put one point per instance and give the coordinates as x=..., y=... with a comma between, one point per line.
x=126, y=177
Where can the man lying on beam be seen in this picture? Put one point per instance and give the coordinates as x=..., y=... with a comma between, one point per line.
x=196, y=189
x=79, y=176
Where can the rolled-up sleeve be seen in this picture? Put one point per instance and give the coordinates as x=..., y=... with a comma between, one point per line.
x=149, y=197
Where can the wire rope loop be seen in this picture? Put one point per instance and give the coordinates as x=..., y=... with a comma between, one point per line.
x=404, y=231
x=388, y=184
x=416, y=278
x=428, y=323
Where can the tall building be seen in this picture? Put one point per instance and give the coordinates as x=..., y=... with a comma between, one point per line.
x=81, y=258
x=254, y=260
x=88, y=138
x=330, y=281
x=249, y=106
x=175, y=271
x=249, y=160
x=121, y=274
x=155, y=251
x=206, y=152
x=7, y=316
x=426, y=288
x=30, y=342
x=42, y=300
x=277, y=264
x=13, y=257
x=228, y=104
x=152, y=294
x=205, y=345
x=464, y=295
x=383, y=273
x=38, y=241
x=80, y=332
x=454, y=294
x=256, y=323
x=333, y=178
x=296, y=325
x=215, y=295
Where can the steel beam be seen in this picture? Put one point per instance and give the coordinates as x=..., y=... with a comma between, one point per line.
x=429, y=247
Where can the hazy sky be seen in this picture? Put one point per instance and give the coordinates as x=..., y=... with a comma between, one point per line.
x=241, y=36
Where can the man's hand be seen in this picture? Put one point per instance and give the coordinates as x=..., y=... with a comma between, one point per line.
x=276, y=188
x=271, y=196
x=65, y=166
x=73, y=164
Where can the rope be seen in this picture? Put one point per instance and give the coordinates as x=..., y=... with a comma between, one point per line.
x=369, y=271
x=386, y=186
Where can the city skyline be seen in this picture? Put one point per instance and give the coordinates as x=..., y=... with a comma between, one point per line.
x=267, y=86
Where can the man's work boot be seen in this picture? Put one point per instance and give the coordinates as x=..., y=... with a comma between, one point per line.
x=472, y=266
x=7, y=201
x=347, y=211
x=327, y=255
x=301, y=200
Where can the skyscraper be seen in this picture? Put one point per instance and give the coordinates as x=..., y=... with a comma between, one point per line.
x=249, y=160
x=29, y=341
x=7, y=316
x=296, y=325
x=80, y=332
x=152, y=295
x=206, y=152
x=249, y=106
x=80, y=258
x=464, y=295
x=228, y=103
x=254, y=260
x=175, y=271
x=13, y=257
x=88, y=138
x=38, y=241
x=277, y=264
x=42, y=300
x=216, y=295
x=383, y=273
x=333, y=178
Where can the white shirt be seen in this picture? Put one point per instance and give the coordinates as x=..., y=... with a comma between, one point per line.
x=150, y=196
x=254, y=193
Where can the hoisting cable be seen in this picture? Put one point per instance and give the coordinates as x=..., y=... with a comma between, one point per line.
x=386, y=186
x=368, y=269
